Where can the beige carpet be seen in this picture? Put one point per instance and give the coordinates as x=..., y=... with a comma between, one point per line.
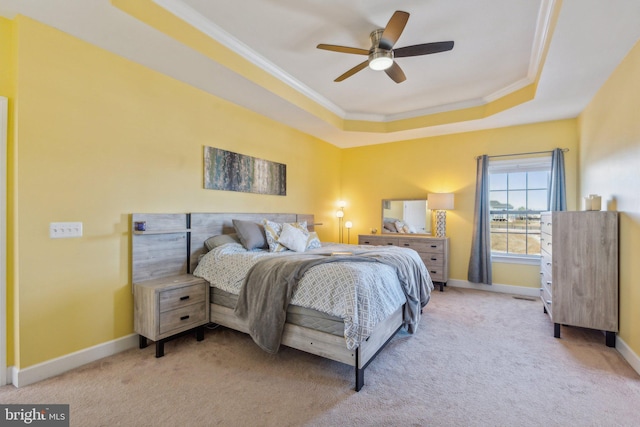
x=478, y=359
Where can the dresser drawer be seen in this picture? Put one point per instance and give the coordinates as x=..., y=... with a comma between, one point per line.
x=434, y=246
x=546, y=242
x=437, y=274
x=378, y=240
x=545, y=223
x=433, y=260
x=181, y=297
x=183, y=318
x=416, y=245
x=546, y=264
x=545, y=296
x=546, y=280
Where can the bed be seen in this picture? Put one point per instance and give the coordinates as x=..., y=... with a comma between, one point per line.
x=341, y=331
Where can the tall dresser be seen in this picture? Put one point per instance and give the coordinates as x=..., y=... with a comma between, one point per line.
x=434, y=251
x=579, y=270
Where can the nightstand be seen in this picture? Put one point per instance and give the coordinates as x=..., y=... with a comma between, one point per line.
x=169, y=306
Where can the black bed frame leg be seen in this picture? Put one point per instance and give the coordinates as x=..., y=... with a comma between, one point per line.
x=359, y=372
x=359, y=379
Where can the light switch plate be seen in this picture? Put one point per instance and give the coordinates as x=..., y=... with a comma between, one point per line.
x=61, y=230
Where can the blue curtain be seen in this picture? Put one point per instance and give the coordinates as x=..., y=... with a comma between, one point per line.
x=557, y=197
x=480, y=261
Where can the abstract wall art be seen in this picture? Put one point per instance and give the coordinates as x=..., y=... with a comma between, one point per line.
x=229, y=171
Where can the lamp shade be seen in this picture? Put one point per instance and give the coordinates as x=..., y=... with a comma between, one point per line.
x=340, y=213
x=440, y=201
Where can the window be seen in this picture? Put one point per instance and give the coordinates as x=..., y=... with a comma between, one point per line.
x=517, y=195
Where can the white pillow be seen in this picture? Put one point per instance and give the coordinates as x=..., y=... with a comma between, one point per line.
x=272, y=231
x=293, y=238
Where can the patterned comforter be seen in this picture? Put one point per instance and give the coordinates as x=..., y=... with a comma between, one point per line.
x=362, y=294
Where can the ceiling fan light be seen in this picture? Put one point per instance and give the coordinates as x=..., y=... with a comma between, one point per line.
x=380, y=59
x=381, y=63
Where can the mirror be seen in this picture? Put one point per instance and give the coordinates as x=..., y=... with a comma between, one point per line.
x=411, y=216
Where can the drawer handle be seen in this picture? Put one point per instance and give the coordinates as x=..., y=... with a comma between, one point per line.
x=184, y=298
x=434, y=246
x=433, y=271
x=184, y=317
x=367, y=243
x=390, y=244
x=548, y=263
x=549, y=282
x=407, y=244
x=434, y=259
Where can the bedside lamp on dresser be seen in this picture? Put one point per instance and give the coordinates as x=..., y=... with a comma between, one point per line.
x=440, y=203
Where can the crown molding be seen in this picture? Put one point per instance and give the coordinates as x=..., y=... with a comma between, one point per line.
x=186, y=13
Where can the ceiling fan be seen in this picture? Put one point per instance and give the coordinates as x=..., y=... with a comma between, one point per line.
x=381, y=54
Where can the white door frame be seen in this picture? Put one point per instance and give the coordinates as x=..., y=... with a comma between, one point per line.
x=4, y=110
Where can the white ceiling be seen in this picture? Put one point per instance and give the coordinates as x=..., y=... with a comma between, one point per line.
x=497, y=50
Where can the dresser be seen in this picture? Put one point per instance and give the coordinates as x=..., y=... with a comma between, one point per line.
x=579, y=270
x=169, y=306
x=434, y=251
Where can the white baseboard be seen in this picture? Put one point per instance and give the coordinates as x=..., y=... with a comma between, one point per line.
x=505, y=289
x=628, y=354
x=57, y=366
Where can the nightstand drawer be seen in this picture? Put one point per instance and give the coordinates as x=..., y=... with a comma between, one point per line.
x=181, y=297
x=183, y=318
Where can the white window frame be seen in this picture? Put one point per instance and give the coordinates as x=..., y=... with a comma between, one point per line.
x=528, y=164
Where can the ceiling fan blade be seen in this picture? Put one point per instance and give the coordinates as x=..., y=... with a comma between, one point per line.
x=394, y=28
x=343, y=49
x=422, y=49
x=352, y=71
x=396, y=73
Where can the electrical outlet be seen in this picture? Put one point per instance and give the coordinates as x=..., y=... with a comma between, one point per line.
x=61, y=230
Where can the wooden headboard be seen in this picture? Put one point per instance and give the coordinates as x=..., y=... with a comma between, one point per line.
x=171, y=244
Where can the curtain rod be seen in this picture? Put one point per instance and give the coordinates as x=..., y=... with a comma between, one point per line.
x=564, y=150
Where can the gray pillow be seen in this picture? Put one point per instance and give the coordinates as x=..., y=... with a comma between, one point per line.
x=219, y=240
x=251, y=234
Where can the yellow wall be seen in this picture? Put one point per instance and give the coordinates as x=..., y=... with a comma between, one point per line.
x=444, y=164
x=100, y=137
x=94, y=137
x=610, y=166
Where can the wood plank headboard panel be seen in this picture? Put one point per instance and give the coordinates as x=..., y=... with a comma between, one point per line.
x=158, y=255
x=205, y=225
x=173, y=243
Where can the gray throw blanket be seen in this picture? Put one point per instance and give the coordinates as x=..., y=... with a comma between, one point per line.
x=270, y=283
